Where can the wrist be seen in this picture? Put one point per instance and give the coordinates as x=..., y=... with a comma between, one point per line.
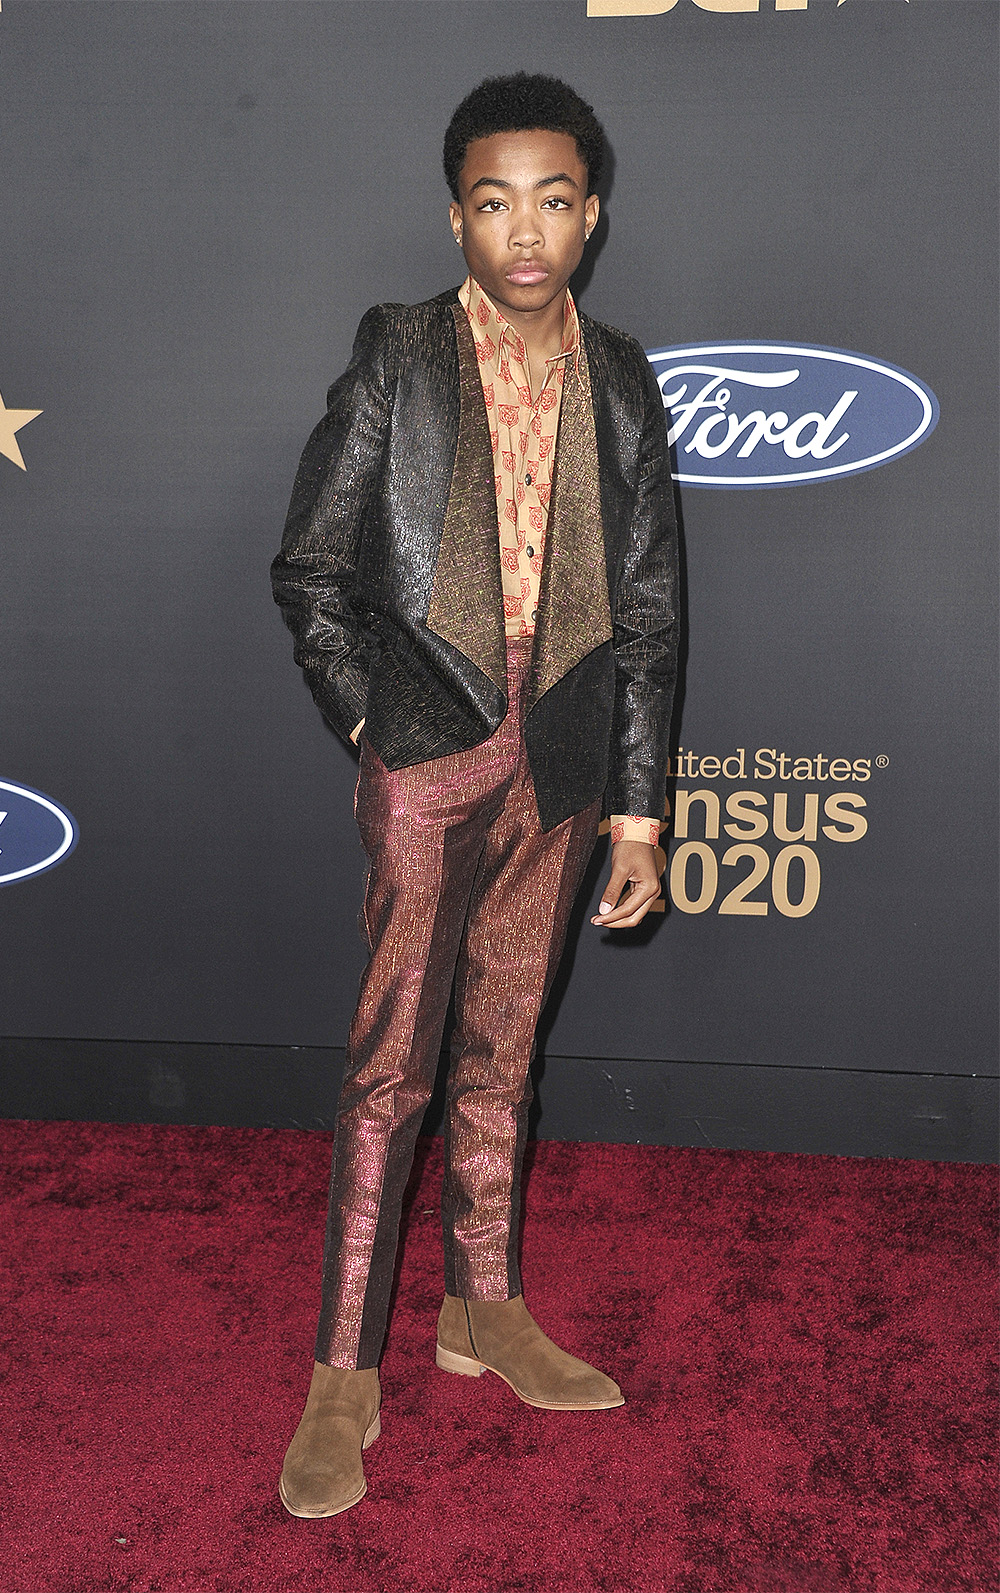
x=635, y=827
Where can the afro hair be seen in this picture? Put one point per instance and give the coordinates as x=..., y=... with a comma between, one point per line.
x=523, y=102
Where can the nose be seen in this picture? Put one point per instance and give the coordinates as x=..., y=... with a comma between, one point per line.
x=525, y=231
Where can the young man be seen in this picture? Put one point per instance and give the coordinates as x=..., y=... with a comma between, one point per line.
x=479, y=571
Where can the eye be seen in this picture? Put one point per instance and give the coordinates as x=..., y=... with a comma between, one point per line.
x=492, y=206
x=556, y=201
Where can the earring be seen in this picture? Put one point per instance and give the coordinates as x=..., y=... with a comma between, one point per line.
x=458, y=240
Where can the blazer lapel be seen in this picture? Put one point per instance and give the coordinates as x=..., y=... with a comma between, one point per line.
x=466, y=605
x=574, y=612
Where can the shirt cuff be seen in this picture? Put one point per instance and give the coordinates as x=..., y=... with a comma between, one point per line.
x=355, y=733
x=632, y=827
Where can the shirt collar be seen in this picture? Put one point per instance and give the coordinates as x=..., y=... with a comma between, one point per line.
x=487, y=319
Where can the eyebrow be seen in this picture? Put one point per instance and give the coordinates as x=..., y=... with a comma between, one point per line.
x=543, y=182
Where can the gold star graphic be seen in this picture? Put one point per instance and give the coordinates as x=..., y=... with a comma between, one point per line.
x=11, y=421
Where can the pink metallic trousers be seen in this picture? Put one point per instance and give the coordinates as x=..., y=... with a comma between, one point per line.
x=465, y=891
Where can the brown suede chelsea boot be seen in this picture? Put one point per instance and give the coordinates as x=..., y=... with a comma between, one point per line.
x=476, y=1336
x=323, y=1473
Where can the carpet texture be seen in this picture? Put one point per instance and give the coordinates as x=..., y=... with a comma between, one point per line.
x=805, y=1344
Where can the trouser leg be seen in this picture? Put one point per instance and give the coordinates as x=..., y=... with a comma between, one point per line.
x=424, y=829
x=518, y=916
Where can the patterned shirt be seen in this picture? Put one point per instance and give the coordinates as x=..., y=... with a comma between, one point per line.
x=523, y=434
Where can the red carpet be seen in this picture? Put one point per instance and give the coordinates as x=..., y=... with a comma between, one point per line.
x=805, y=1343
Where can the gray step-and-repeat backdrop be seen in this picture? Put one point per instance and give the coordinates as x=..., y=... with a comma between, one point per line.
x=201, y=199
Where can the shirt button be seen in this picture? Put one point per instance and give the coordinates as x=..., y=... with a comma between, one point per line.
x=530, y=552
x=528, y=480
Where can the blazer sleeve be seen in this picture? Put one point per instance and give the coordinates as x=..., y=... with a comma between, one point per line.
x=645, y=623
x=314, y=576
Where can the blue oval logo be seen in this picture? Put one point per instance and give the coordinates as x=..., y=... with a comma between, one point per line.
x=35, y=832
x=780, y=414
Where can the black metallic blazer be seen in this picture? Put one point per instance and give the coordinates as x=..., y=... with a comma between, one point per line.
x=389, y=570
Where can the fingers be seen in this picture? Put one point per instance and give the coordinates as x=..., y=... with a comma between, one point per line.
x=631, y=910
x=617, y=881
x=633, y=866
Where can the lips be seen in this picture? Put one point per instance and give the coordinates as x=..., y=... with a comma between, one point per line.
x=527, y=274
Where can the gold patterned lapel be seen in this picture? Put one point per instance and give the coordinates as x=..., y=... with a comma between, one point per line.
x=466, y=607
x=574, y=613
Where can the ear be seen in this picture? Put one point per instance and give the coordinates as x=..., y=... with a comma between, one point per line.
x=456, y=219
x=591, y=211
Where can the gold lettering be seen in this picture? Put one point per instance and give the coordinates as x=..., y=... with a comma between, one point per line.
x=660, y=906
x=628, y=8
x=810, y=881
x=737, y=899
x=810, y=817
x=684, y=799
x=709, y=877
x=834, y=808
x=736, y=806
x=655, y=8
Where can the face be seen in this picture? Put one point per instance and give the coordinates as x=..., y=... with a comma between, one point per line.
x=523, y=216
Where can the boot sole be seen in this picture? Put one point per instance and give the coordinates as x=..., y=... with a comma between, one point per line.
x=324, y=1515
x=465, y=1366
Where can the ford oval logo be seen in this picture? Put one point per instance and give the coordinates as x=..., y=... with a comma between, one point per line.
x=777, y=414
x=35, y=832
